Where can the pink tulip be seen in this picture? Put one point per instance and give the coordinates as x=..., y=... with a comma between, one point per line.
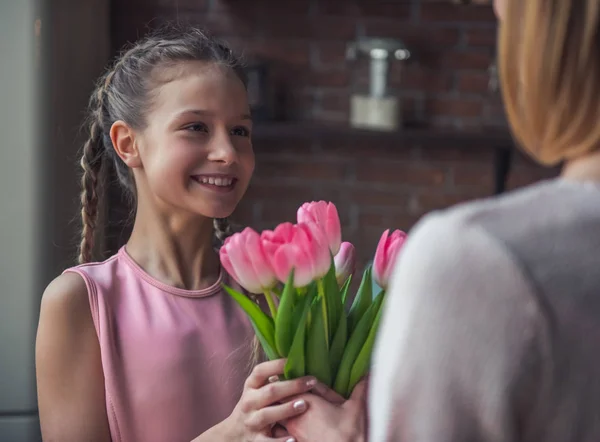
x=244, y=258
x=302, y=247
x=325, y=215
x=345, y=262
x=385, y=257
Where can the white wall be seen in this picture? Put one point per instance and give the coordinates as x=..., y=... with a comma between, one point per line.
x=41, y=108
x=19, y=221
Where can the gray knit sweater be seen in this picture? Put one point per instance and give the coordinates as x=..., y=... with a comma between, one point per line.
x=491, y=331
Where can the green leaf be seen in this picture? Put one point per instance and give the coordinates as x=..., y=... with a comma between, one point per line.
x=344, y=292
x=363, y=360
x=333, y=300
x=337, y=345
x=363, y=300
x=284, y=333
x=295, y=365
x=262, y=323
x=355, y=343
x=317, y=352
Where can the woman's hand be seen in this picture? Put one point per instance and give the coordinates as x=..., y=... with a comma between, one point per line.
x=264, y=403
x=332, y=419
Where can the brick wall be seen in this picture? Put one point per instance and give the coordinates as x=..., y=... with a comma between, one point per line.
x=377, y=184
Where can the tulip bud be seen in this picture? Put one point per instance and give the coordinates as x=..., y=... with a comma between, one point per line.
x=345, y=262
x=385, y=257
x=302, y=247
x=324, y=215
x=244, y=258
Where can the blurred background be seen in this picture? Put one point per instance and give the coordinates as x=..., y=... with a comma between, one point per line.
x=330, y=124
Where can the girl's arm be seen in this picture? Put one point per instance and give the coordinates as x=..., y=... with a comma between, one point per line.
x=70, y=380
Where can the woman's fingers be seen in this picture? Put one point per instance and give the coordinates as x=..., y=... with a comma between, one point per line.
x=262, y=372
x=275, y=392
x=265, y=417
x=359, y=393
x=328, y=394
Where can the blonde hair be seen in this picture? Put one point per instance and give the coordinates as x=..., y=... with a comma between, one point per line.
x=549, y=65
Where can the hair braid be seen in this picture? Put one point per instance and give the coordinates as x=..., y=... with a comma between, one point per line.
x=91, y=164
x=223, y=229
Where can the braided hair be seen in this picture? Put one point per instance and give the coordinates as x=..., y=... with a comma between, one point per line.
x=123, y=93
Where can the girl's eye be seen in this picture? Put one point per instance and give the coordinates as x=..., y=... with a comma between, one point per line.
x=240, y=131
x=197, y=127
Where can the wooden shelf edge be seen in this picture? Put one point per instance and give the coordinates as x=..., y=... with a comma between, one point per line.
x=488, y=137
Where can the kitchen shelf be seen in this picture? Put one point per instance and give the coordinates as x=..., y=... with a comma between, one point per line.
x=486, y=138
x=483, y=138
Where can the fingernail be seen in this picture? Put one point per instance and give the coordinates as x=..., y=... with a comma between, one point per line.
x=291, y=439
x=299, y=405
x=273, y=378
x=311, y=383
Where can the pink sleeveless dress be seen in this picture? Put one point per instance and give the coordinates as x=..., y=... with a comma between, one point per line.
x=174, y=360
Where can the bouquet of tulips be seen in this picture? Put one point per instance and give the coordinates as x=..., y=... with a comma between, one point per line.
x=304, y=271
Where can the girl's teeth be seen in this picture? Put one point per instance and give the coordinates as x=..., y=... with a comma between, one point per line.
x=224, y=182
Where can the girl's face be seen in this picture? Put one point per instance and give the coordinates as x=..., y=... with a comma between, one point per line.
x=196, y=152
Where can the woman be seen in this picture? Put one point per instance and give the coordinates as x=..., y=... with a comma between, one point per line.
x=492, y=325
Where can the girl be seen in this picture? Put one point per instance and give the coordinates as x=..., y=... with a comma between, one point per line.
x=145, y=346
x=492, y=328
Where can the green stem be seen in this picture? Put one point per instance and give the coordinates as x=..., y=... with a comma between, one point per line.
x=271, y=303
x=321, y=289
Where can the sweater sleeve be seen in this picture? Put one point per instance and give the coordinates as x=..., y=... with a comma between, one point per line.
x=459, y=326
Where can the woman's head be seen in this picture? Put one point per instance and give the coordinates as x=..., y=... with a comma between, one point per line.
x=549, y=57
x=172, y=116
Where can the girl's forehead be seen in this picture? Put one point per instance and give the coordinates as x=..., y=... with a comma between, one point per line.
x=202, y=86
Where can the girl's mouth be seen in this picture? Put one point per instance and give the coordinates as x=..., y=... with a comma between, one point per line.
x=216, y=183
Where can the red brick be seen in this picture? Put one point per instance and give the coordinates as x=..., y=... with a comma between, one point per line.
x=438, y=11
x=324, y=78
x=279, y=213
x=480, y=175
x=338, y=7
x=449, y=154
x=401, y=173
x=372, y=197
x=475, y=60
x=294, y=52
x=269, y=191
x=481, y=37
x=335, y=100
x=307, y=169
x=473, y=82
x=385, y=8
x=331, y=54
x=244, y=212
x=414, y=36
x=429, y=201
x=293, y=26
x=195, y=5
x=261, y=7
x=525, y=175
x=415, y=77
x=455, y=107
x=361, y=149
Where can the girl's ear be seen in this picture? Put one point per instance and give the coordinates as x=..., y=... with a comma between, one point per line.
x=123, y=140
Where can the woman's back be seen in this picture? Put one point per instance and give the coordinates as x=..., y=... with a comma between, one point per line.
x=502, y=298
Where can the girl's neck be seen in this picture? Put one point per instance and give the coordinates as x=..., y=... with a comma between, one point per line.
x=176, y=250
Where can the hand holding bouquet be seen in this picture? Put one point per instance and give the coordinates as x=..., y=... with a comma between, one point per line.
x=309, y=323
